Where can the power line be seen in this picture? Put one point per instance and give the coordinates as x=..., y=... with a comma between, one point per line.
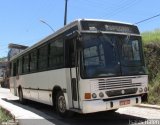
x=147, y=19
x=125, y=5
x=123, y=8
x=95, y=3
x=110, y=7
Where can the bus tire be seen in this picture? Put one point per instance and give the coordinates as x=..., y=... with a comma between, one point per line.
x=61, y=105
x=21, y=99
x=112, y=111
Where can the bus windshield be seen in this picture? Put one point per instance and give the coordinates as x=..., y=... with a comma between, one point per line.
x=106, y=55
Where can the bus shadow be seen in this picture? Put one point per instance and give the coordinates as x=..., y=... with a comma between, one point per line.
x=100, y=118
x=103, y=118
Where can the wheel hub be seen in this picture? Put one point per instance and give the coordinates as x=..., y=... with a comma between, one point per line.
x=62, y=104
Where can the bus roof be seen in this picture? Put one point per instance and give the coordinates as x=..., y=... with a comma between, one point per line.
x=102, y=20
x=63, y=29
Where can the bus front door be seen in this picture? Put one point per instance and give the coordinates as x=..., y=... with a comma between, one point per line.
x=74, y=71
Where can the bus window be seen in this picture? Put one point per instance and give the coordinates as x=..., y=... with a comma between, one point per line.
x=43, y=57
x=33, y=61
x=20, y=66
x=25, y=66
x=56, y=54
x=14, y=69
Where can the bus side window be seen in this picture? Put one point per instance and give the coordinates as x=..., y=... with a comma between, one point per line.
x=10, y=69
x=43, y=57
x=17, y=68
x=56, y=58
x=25, y=64
x=71, y=53
x=20, y=66
x=33, y=61
x=14, y=69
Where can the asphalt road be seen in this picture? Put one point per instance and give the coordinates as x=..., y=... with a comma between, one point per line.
x=123, y=116
x=101, y=118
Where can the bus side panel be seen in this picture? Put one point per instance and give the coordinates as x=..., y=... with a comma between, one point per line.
x=13, y=85
x=59, y=78
x=38, y=86
x=69, y=90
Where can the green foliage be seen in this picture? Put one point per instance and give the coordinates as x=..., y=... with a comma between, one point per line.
x=4, y=117
x=154, y=91
x=152, y=57
x=151, y=36
x=3, y=59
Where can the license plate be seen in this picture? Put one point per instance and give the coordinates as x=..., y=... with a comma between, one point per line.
x=124, y=102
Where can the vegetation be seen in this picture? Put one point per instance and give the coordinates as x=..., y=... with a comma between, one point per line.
x=4, y=117
x=154, y=92
x=3, y=59
x=151, y=36
x=152, y=56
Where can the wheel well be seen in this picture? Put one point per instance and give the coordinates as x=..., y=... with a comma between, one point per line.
x=56, y=89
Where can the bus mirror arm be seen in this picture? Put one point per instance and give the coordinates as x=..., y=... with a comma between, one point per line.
x=79, y=45
x=79, y=42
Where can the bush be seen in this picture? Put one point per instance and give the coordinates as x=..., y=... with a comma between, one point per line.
x=152, y=59
x=151, y=36
x=154, y=91
x=4, y=116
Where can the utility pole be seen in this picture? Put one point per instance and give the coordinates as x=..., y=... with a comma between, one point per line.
x=65, y=13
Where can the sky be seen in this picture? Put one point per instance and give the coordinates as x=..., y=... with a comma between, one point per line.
x=20, y=19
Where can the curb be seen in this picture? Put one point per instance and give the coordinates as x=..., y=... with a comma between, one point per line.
x=10, y=122
x=148, y=106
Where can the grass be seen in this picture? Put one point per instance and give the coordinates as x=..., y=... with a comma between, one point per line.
x=151, y=36
x=3, y=116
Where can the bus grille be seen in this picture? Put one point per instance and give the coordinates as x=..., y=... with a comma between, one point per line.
x=116, y=83
x=121, y=92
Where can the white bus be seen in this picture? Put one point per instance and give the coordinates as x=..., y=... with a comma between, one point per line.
x=87, y=66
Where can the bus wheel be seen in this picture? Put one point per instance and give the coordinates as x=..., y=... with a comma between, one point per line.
x=21, y=99
x=61, y=106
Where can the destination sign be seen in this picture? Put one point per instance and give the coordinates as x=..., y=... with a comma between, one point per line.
x=108, y=26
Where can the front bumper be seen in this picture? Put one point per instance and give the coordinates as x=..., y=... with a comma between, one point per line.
x=100, y=105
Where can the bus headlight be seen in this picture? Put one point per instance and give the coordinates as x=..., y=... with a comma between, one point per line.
x=140, y=90
x=101, y=94
x=94, y=95
x=145, y=89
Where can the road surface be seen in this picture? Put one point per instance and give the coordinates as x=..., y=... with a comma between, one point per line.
x=123, y=116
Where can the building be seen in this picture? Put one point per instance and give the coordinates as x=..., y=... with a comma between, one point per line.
x=3, y=67
x=14, y=49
